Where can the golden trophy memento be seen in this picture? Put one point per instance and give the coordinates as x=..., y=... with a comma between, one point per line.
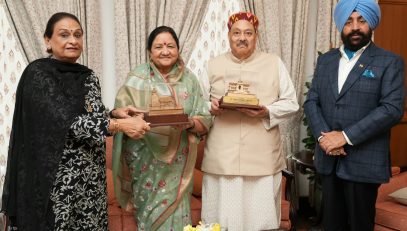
x=239, y=96
x=165, y=104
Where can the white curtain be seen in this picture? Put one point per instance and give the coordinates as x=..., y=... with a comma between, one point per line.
x=12, y=64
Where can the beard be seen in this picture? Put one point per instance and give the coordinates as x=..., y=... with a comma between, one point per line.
x=356, y=44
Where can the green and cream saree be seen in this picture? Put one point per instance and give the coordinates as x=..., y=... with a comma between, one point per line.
x=153, y=175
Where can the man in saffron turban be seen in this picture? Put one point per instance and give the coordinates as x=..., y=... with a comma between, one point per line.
x=243, y=159
x=356, y=97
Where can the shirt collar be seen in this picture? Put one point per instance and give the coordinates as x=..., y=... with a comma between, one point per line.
x=354, y=54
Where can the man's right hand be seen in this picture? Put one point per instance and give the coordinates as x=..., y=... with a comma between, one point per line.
x=215, y=109
x=332, y=141
x=334, y=152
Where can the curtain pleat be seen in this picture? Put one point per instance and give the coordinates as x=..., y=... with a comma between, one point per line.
x=328, y=36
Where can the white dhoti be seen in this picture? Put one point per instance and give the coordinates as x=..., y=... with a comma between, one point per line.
x=242, y=203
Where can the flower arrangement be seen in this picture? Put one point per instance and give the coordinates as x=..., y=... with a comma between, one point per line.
x=203, y=227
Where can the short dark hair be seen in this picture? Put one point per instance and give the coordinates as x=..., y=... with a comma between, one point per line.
x=159, y=30
x=49, y=30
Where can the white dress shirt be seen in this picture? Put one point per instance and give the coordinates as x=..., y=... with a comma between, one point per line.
x=345, y=66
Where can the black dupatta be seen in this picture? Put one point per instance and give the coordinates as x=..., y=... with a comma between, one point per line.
x=49, y=96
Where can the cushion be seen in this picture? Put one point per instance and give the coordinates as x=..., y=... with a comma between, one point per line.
x=400, y=196
x=109, y=149
x=129, y=223
x=197, y=188
x=285, y=210
x=114, y=212
x=391, y=214
x=285, y=225
x=111, y=198
x=196, y=205
x=115, y=222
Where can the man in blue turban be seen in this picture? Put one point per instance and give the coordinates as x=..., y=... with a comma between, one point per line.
x=357, y=95
x=368, y=13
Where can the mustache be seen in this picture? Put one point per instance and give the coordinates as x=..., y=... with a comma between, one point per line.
x=243, y=42
x=356, y=33
x=356, y=45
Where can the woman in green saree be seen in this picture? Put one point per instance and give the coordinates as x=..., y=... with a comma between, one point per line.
x=153, y=175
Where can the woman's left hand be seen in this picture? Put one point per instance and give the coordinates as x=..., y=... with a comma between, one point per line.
x=126, y=112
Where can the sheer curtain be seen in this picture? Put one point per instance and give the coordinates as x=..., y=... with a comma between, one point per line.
x=327, y=35
x=29, y=19
x=213, y=38
x=12, y=64
x=136, y=19
x=283, y=30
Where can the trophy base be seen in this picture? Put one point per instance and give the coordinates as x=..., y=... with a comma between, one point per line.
x=169, y=111
x=156, y=120
x=226, y=103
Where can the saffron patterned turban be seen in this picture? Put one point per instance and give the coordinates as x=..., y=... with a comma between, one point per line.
x=243, y=16
x=368, y=9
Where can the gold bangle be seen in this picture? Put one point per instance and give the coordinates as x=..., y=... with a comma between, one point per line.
x=116, y=125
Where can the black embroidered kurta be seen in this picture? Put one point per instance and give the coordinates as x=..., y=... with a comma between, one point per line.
x=56, y=166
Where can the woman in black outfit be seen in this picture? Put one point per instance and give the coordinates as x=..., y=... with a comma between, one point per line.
x=55, y=177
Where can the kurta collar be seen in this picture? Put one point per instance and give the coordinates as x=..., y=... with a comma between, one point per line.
x=250, y=58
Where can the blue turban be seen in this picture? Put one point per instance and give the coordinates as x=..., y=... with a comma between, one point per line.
x=368, y=9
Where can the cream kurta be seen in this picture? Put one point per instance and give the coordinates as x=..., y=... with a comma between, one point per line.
x=241, y=145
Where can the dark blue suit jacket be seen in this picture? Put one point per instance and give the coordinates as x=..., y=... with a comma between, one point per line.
x=370, y=103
